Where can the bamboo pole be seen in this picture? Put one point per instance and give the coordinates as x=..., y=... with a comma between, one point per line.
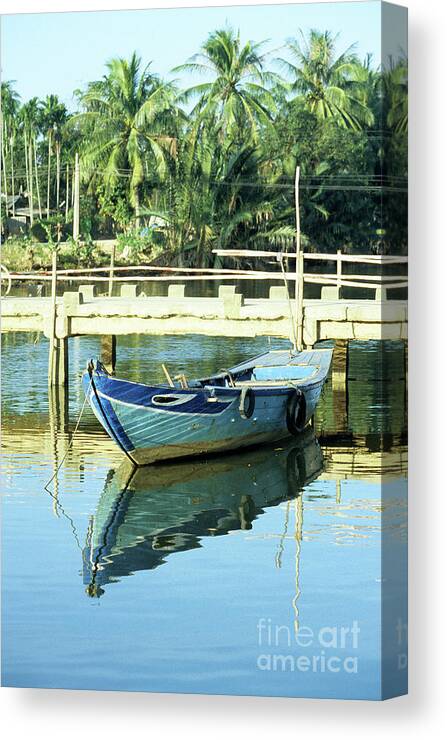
x=299, y=271
x=168, y=377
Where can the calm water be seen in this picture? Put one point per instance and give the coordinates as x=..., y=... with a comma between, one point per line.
x=255, y=573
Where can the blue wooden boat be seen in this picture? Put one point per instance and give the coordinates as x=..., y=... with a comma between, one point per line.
x=261, y=400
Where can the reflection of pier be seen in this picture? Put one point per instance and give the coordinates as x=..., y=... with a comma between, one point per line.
x=347, y=459
x=360, y=463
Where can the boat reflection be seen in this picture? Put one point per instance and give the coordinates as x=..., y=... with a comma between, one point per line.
x=146, y=514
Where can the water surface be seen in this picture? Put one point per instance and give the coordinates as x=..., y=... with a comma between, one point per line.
x=240, y=574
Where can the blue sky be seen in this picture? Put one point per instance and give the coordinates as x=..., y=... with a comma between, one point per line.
x=59, y=52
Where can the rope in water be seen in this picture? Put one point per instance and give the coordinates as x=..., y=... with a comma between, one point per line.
x=69, y=446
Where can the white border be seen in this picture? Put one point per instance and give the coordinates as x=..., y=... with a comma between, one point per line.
x=36, y=713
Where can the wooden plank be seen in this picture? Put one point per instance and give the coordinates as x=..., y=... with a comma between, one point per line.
x=138, y=268
x=362, y=259
x=158, y=278
x=368, y=278
x=367, y=259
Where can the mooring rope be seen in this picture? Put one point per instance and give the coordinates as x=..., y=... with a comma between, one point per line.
x=295, y=339
x=69, y=446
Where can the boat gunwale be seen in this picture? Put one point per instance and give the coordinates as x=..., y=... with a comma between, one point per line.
x=264, y=388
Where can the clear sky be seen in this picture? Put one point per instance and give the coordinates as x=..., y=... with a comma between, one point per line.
x=59, y=52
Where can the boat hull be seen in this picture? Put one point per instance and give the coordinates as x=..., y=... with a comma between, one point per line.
x=152, y=424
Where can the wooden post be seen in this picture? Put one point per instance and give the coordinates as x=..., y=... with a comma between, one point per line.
x=59, y=366
x=340, y=359
x=112, y=265
x=339, y=271
x=58, y=354
x=76, y=200
x=53, y=341
x=299, y=286
x=108, y=352
x=108, y=343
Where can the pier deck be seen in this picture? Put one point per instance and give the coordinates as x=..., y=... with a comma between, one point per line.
x=80, y=313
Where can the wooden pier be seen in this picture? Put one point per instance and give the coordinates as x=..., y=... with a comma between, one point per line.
x=229, y=313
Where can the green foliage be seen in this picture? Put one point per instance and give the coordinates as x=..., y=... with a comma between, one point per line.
x=136, y=246
x=49, y=229
x=126, y=124
x=177, y=173
x=114, y=202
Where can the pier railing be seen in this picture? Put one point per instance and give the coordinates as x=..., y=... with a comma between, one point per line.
x=84, y=311
x=379, y=282
x=331, y=282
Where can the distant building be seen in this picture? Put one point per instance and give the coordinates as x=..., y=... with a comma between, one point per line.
x=18, y=216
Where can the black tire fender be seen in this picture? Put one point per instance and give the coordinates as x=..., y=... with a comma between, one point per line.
x=247, y=403
x=296, y=412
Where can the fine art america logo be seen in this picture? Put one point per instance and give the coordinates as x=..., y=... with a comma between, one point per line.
x=326, y=650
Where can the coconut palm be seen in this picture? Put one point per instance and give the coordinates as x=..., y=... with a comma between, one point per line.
x=30, y=118
x=53, y=116
x=10, y=104
x=236, y=98
x=331, y=86
x=129, y=126
x=395, y=95
x=214, y=201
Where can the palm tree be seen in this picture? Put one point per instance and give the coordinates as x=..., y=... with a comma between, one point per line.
x=129, y=126
x=330, y=86
x=236, y=98
x=9, y=108
x=54, y=116
x=395, y=95
x=30, y=117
